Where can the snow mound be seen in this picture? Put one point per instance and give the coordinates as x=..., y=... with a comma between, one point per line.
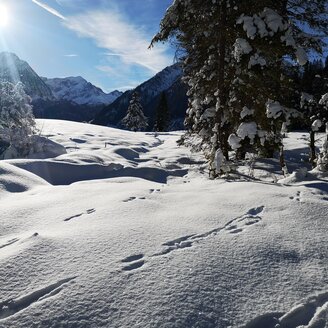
x=14, y=180
x=64, y=173
x=310, y=314
x=45, y=148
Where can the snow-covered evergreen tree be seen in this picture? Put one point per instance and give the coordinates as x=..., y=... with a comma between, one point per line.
x=135, y=119
x=313, y=83
x=239, y=92
x=322, y=160
x=17, y=123
x=162, y=118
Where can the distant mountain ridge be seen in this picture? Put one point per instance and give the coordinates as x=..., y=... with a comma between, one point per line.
x=79, y=91
x=167, y=81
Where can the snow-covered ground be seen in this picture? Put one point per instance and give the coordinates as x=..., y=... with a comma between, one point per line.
x=125, y=230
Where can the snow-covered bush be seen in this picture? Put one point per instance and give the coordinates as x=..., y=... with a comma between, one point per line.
x=17, y=123
x=135, y=119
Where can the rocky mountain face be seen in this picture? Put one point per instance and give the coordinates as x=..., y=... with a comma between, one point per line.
x=167, y=81
x=80, y=91
x=13, y=69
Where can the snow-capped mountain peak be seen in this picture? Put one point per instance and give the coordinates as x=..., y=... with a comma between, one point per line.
x=80, y=91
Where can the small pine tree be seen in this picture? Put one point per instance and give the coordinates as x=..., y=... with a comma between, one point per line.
x=135, y=120
x=17, y=123
x=162, y=118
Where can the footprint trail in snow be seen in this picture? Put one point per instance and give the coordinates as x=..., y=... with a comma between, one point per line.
x=133, y=262
x=87, y=212
x=234, y=226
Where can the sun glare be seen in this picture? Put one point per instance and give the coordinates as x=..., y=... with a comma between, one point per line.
x=4, y=16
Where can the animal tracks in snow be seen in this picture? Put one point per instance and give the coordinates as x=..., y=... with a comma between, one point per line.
x=130, y=199
x=234, y=226
x=151, y=191
x=250, y=218
x=297, y=197
x=12, y=306
x=133, y=262
x=179, y=243
x=87, y=212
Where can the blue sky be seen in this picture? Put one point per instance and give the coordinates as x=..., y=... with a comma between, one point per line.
x=104, y=41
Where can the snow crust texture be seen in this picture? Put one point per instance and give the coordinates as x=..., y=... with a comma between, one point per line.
x=125, y=230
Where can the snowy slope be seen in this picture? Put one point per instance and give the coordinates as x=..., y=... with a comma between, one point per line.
x=80, y=91
x=125, y=231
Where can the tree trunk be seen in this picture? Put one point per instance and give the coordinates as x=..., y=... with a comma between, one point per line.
x=282, y=160
x=312, y=149
x=221, y=70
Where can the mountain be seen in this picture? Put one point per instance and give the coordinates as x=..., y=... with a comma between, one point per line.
x=167, y=81
x=74, y=98
x=13, y=69
x=80, y=91
x=71, y=98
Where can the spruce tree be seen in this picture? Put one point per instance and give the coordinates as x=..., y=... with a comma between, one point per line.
x=135, y=119
x=17, y=123
x=240, y=96
x=162, y=118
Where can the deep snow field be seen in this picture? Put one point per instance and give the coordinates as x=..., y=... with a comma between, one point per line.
x=125, y=230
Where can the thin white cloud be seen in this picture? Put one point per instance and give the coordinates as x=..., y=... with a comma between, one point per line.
x=71, y=55
x=49, y=9
x=106, y=69
x=111, y=31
